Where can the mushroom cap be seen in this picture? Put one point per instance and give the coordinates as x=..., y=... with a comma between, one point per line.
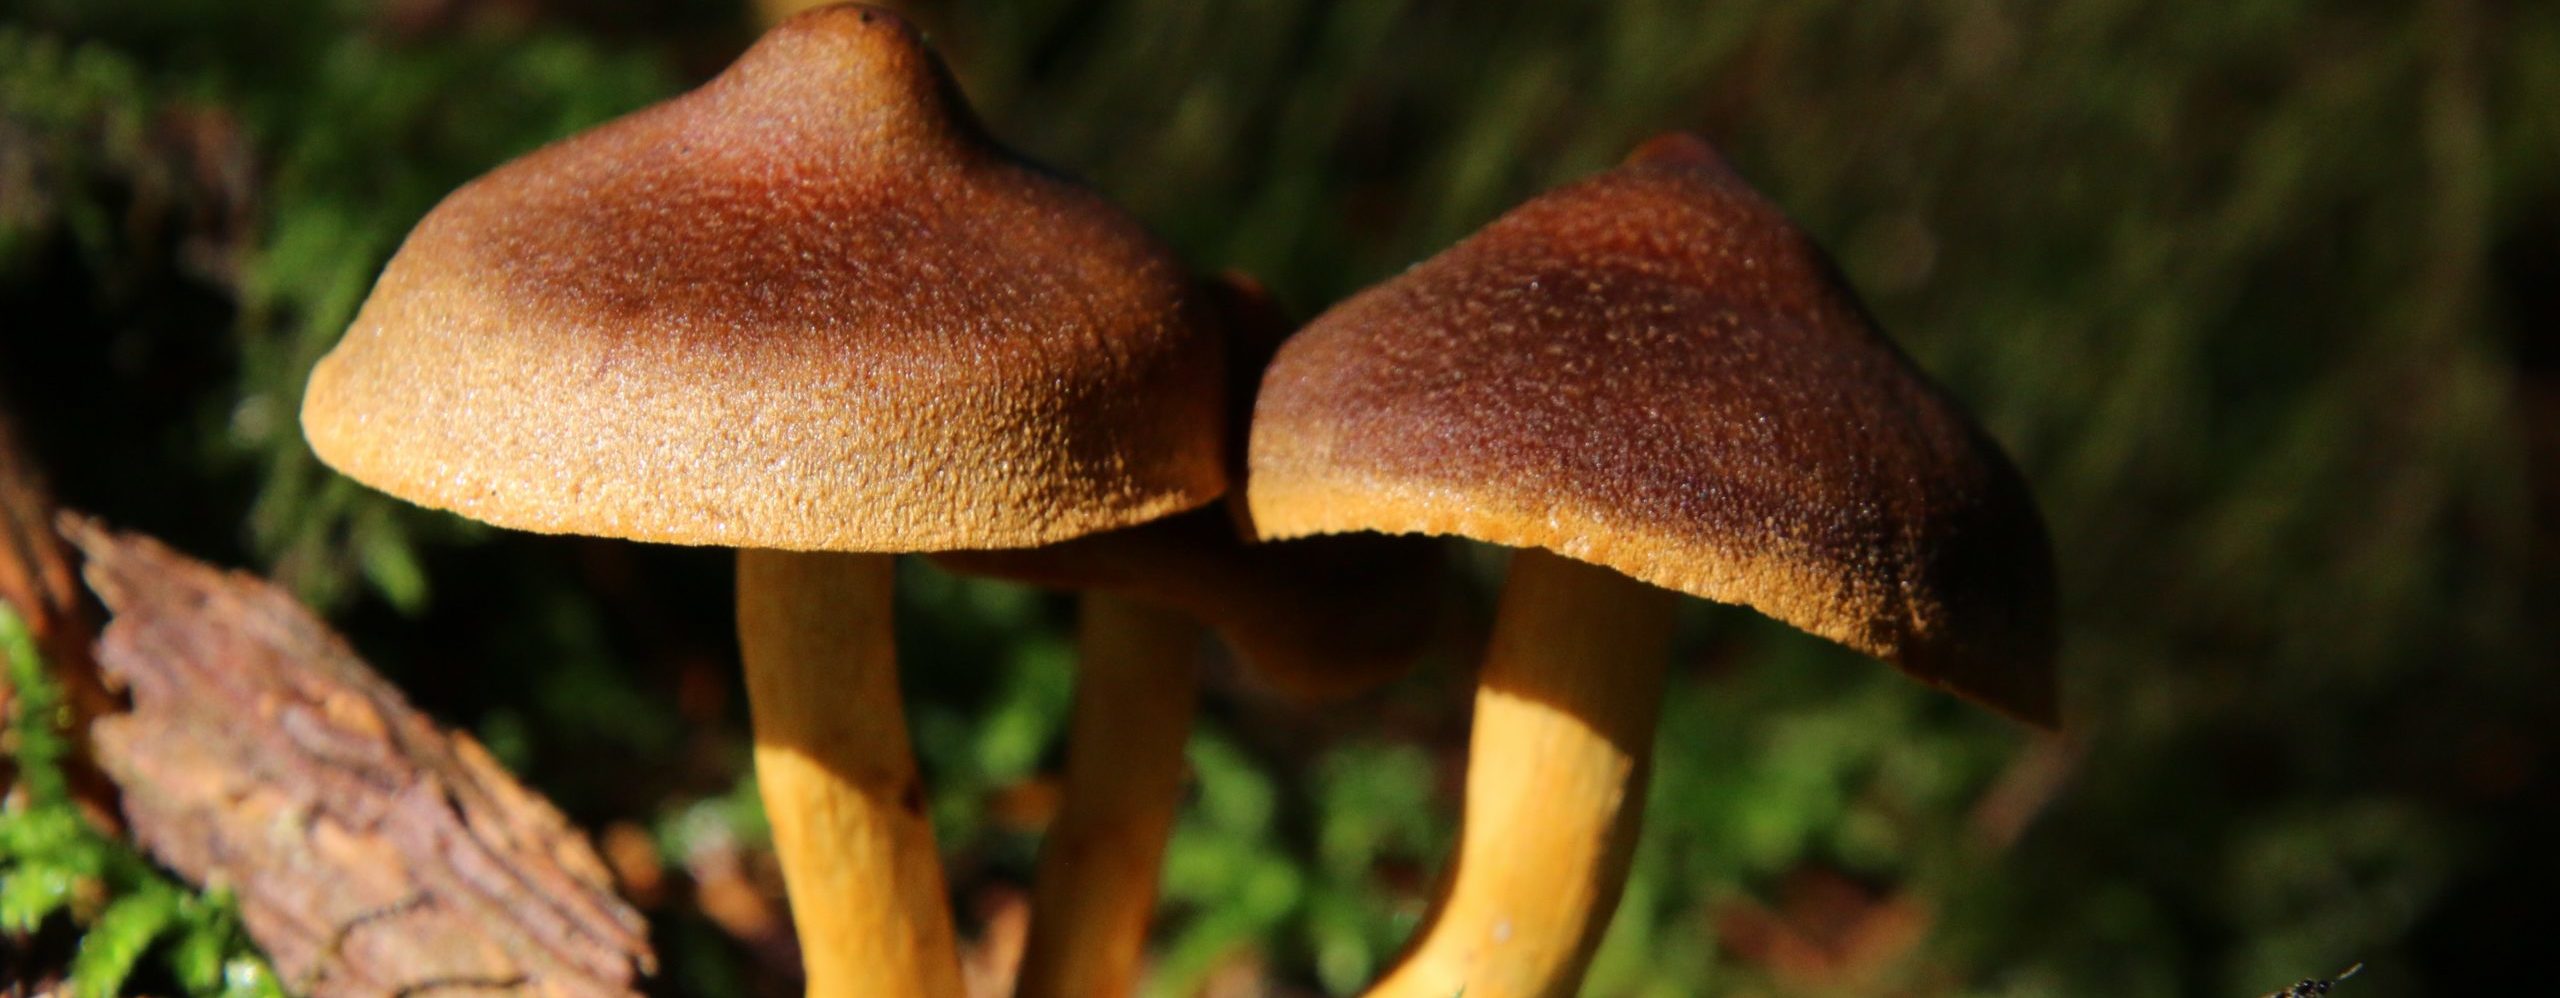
x=1654, y=370
x=1315, y=619
x=805, y=306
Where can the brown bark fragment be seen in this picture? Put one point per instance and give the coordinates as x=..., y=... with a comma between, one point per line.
x=35, y=572
x=38, y=582
x=372, y=852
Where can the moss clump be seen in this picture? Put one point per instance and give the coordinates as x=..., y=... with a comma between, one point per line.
x=136, y=928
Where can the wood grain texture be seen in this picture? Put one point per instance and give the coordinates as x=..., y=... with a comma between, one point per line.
x=372, y=852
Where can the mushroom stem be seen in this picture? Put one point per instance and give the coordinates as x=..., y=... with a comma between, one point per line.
x=838, y=778
x=1563, y=740
x=1096, y=886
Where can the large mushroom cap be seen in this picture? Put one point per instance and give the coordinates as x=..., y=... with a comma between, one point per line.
x=806, y=306
x=1656, y=371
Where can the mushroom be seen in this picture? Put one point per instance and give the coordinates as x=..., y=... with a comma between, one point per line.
x=1311, y=620
x=1315, y=619
x=811, y=312
x=1651, y=382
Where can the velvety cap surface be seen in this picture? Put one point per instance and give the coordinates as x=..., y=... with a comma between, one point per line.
x=1654, y=370
x=806, y=306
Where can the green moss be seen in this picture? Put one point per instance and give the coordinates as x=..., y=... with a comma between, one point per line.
x=2252, y=292
x=136, y=923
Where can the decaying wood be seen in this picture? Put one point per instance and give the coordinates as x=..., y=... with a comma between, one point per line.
x=372, y=853
x=35, y=570
x=38, y=582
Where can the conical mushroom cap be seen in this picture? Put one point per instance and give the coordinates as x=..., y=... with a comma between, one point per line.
x=1656, y=371
x=806, y=306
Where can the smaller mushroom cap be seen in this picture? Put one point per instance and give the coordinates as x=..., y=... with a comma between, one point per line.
x=806, y=306
x=1656, y=371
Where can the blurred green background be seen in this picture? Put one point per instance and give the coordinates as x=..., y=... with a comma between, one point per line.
x=2264, y=296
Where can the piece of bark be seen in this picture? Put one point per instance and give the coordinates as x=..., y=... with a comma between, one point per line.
x=35, y=570
x=372, y=853
x=38, y=582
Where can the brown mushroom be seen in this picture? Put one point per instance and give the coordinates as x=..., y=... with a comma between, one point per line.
x=808, y=311
x=1314, y=619
x=1652, y=383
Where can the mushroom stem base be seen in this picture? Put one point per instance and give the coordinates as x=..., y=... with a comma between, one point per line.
x=1096, y=886
x=1556, y=771
x=838, y=777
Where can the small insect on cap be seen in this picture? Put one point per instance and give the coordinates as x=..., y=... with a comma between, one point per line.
x=1654, y=370
x=806, y=306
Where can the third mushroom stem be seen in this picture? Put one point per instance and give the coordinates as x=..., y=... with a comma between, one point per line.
x=1563, y=738
x=838, y=778
x=1096, y=884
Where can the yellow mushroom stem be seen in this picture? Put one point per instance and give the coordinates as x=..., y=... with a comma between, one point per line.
x=1556, y=770
x=1095, y=889
x=838, y=777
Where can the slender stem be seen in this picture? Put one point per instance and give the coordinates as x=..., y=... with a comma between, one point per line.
x=1563, y=742
x=1096, y=886
x=838, y=778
